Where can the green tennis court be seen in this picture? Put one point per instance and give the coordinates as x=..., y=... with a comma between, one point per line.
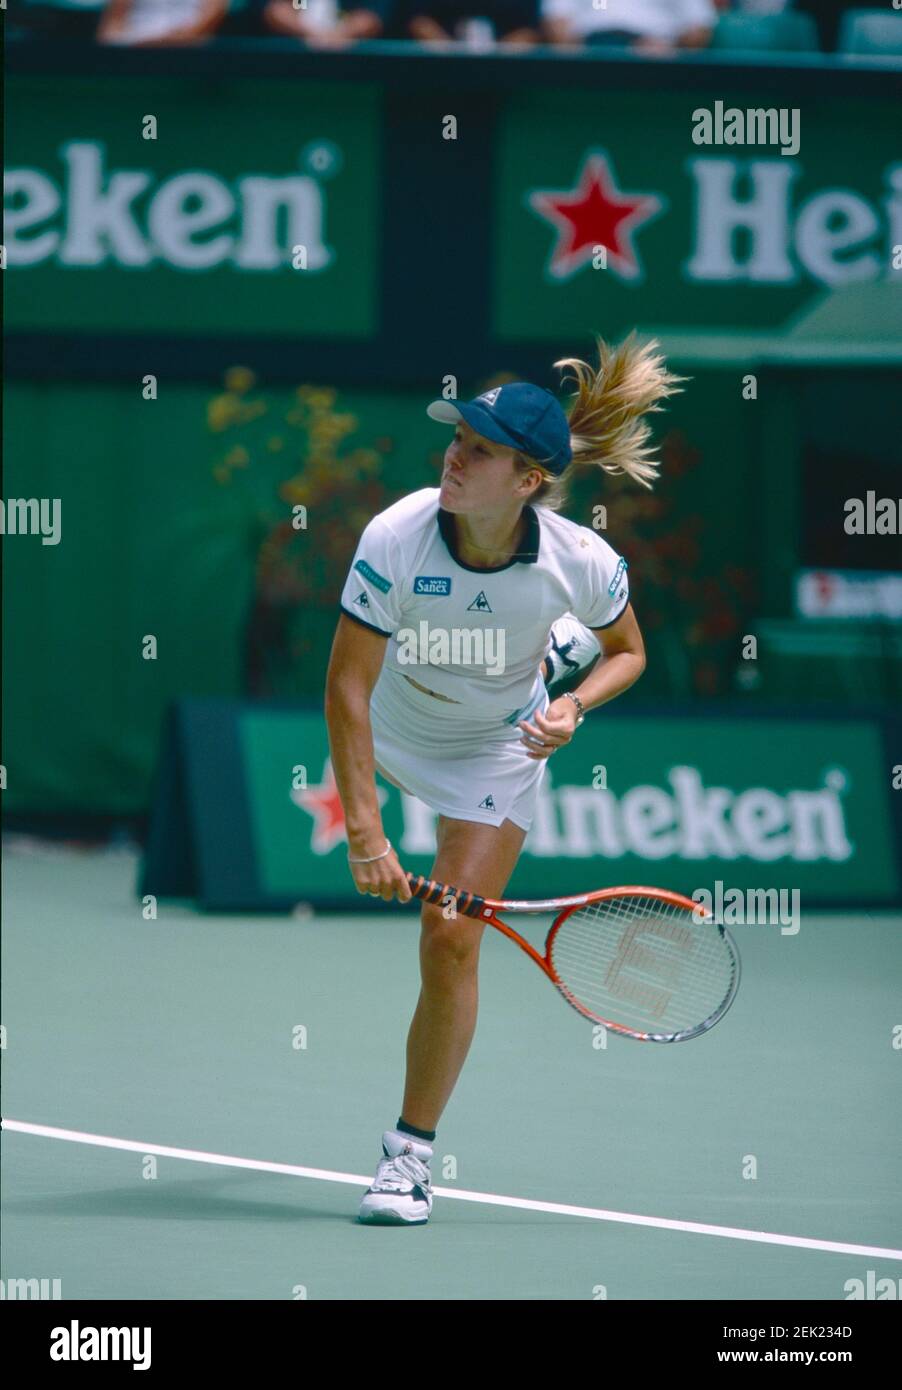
x=280, y=1041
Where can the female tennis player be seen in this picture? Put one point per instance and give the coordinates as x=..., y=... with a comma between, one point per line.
x=458, y=603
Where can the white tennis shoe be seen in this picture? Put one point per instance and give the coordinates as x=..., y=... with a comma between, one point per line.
x=401, y=1194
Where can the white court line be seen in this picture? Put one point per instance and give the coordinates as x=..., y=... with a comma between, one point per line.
x=697, y=1228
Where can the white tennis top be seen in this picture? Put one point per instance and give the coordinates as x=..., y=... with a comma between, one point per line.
x=477, y=636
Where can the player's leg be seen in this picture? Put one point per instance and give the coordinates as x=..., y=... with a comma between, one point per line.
x=469, y=855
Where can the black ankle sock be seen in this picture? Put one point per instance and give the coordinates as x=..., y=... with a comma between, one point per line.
x=425, y=1134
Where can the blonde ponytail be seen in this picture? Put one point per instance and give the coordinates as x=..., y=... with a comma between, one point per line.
x=607, y=418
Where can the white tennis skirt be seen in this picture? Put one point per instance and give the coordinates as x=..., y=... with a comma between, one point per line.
x=462, y=764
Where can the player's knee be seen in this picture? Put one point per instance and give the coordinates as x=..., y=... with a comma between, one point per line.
x=449, y=942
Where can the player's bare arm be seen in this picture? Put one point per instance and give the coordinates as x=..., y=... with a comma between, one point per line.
x=354, y=666
x=623, y=662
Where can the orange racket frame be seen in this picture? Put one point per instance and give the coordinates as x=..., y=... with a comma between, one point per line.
x=485, y=910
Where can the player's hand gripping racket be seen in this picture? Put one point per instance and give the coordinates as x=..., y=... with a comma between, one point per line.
x=643, y=962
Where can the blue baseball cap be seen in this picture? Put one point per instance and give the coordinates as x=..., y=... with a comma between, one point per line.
x=520, y=415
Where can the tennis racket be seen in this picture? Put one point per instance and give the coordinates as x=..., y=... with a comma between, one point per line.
x=644, y=962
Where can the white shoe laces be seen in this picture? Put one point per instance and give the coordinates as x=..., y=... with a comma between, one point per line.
x=394, y=1174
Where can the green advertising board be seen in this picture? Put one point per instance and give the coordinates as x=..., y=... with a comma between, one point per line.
x=678, y=802
x=144, y=205
x=221, y=204
x=609, y=212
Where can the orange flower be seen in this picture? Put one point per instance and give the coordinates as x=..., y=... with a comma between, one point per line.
x=239, y=379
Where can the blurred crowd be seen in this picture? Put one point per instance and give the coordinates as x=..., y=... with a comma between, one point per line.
x=654, y=27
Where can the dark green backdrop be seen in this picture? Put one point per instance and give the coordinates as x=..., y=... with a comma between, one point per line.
x=159, y=257
x=153, y=544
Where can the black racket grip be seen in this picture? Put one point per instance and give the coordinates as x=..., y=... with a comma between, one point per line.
x=431, y=891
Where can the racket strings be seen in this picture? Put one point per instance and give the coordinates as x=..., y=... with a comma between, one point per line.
x=643, y=962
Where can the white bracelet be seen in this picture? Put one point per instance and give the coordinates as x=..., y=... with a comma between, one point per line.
x=372, y=860
x=580, y=707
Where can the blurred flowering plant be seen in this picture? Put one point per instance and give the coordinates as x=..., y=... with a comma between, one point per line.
x=308, y=495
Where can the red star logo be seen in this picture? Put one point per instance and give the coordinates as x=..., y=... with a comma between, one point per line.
x=825, y=586
x=595, y=213
x=324, y=804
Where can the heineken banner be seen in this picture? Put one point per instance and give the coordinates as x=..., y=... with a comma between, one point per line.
x=161, y=205
x=247, y=814
x=311, y=210
x=627, y=212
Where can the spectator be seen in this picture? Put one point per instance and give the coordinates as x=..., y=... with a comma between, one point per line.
x=645, y=26
x=827, y=15
x=756, y=6
x=52, y=20
x=160, y=23
x=319, y=23
x=478, y=22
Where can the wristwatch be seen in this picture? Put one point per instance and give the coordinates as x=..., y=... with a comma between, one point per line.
x=579, y=706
